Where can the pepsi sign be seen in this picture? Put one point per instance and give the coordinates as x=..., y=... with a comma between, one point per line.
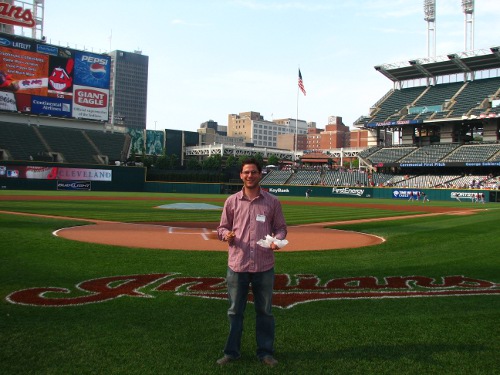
x=92, y=70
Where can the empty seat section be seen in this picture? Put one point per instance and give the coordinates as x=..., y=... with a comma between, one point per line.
x=71, y=143
x=21, y=141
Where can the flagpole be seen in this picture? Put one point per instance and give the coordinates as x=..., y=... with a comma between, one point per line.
x=301, y=87
x=296, y=126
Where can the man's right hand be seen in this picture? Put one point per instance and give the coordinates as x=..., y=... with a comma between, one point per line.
x=229, y=237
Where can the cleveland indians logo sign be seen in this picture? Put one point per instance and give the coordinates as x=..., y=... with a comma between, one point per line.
x=288, y=292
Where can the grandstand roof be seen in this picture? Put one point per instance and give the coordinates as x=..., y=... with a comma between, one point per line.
x=456, y=63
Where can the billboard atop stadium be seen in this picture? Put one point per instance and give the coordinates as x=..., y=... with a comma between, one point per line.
x=393, y=123
x=42, y=79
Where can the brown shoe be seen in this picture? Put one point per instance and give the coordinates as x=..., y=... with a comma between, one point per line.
x=225, y=360
x=269, y=361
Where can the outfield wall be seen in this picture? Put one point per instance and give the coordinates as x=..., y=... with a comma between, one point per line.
x=383, y=193
x=58, y=176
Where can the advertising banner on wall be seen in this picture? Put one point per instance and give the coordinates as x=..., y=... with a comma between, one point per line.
x=44, y=79
x=90, y=103
x=7, y=101
x=458, y=195
x=352, y=192
x=50, y=106
x=92, y=70
x=55, y=173
x=405, y=194
x=22, y=70
x=74, y=185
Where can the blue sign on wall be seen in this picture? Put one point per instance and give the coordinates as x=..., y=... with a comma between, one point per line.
x=44, y=105
x=92, y=70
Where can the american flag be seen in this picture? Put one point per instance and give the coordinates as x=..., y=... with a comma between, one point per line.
x=301, y=84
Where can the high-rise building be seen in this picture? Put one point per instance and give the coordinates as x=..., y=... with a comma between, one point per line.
x=129, y=89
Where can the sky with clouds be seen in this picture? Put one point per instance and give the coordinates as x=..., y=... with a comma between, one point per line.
x=211, y=58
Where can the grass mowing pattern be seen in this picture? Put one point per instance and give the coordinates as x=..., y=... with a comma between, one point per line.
x=185, y=335
x=146, y=211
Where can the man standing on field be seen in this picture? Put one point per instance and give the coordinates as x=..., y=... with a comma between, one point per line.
x=249, y=216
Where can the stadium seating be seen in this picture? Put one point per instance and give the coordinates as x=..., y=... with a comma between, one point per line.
x=429, y=154
x=396, y=101
x=390, y=154
x=369, y=151
x=435, y=95
x=345, y=178
x=71, y=143
x=473, y=94
x=33, y=142
x=380, y=179
x=436, y=153
x=305, y=178
x=277, y=177
x=473, y=153
x=457, y=99
x=113, y=145
x=21, y=141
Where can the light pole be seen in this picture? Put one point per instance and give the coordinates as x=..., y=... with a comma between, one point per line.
x=430, y=17
x=468, y=9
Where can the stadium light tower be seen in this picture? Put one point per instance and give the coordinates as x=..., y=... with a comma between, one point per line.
x=468, y=9
x=430, y=17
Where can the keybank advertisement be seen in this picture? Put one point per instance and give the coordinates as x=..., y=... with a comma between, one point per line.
x=278, y=191
x=54, y=173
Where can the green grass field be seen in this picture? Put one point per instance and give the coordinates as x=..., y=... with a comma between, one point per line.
x=169, y=332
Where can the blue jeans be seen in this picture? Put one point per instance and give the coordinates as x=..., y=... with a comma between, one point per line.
x=238, y=285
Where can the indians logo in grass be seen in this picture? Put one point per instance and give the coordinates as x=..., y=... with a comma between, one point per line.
x=288, y=291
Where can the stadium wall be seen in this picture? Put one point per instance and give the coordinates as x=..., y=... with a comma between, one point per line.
x=56, y=176
x=17, y=175
x=382, y=193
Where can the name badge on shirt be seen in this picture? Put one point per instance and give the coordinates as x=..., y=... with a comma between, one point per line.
x=261, y=218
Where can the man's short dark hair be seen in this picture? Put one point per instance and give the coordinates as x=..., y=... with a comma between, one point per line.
x=251, y=161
